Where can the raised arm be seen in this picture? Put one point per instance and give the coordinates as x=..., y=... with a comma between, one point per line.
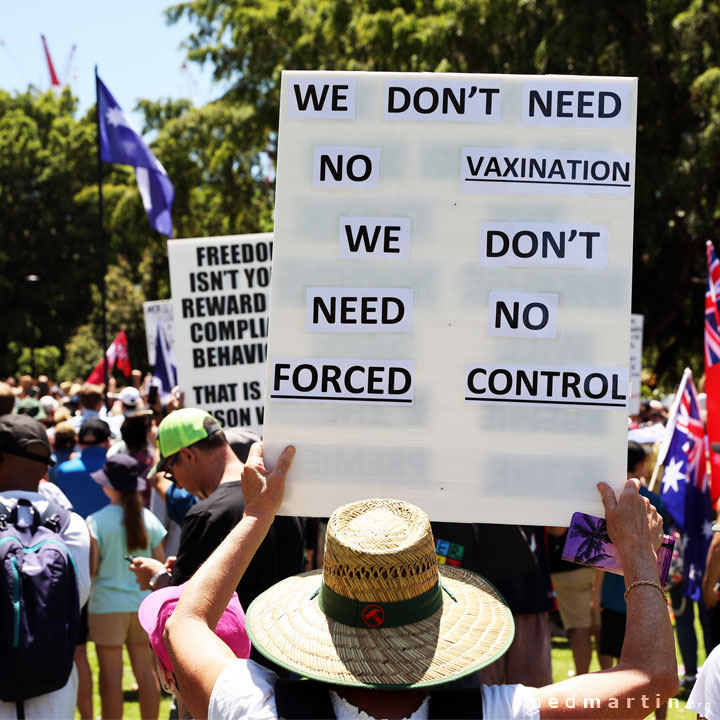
x=646, y=674
x=198, y=655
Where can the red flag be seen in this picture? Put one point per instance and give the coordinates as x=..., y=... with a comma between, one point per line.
x=117, y=352
x=712, y=366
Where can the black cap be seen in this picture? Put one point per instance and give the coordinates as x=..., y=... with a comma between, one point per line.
x=240, y=440
x=120, y=472
x=94, y=431
x=18, y=432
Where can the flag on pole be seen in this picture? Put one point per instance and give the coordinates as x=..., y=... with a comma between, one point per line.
x=117, y=353
x=712, y=366
x=121, y=143
x=685, y=489
x=165, y=371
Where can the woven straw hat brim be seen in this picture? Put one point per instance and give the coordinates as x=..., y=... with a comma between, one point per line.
x=286, y=625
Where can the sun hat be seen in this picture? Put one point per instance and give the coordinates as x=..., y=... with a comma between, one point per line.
x=158, y=606
x=180, y=429
x=120, y=472
x=18, y=432
x=383, y=613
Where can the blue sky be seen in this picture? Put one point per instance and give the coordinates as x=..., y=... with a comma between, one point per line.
x=137, y=53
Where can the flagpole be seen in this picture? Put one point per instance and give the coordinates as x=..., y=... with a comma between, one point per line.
x=103, y=258
x=670, y=428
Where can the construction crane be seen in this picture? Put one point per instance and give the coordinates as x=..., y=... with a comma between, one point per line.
x=56, y=82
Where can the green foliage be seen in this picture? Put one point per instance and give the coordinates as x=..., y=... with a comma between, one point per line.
x=48, y=192
x=671, y=46
x=82, y=353
x=49, y=217
x=36, y=360
x=46, y=159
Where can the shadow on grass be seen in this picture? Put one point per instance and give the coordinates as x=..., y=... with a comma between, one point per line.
x=560, y=643
x=130, y=696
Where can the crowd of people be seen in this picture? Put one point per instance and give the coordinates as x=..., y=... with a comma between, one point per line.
x=171, y=524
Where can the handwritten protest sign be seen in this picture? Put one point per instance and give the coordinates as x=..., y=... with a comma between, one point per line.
x=451, y=292
x=220, y=293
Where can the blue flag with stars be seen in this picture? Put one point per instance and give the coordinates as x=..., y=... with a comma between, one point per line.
x=121, y=143
x=685, y=490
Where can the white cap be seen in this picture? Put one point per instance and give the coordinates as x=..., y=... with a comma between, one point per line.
x=129, y=396
x=48, y=403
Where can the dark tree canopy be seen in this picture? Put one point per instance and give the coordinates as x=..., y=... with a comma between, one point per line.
x=670, y=45
x=48, y=195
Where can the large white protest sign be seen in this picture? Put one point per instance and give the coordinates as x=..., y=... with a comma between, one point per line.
x=220, y=294
x=451, y=292
x=158, y=312
x=636, y=346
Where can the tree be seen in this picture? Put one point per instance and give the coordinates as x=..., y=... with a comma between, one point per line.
x=667, y=44
x=50, y=225
x=44, y=232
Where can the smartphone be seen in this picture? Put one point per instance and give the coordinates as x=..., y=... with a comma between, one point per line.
x=152, y=395
x=588, y=543
x=129, y=558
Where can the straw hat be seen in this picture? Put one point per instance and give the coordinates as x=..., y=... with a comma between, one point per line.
x=377, y=615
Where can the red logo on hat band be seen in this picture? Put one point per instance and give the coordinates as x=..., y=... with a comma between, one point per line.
x=373, y=616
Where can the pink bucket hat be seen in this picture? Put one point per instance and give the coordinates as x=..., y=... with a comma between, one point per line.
x=158, y=606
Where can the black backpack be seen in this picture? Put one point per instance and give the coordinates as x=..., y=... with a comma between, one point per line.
x=39, y=602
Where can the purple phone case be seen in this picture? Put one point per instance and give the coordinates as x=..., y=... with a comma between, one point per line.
x=588, y=543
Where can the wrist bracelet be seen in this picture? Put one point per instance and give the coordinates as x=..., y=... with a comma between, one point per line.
x=155, y=577
x=645, y=582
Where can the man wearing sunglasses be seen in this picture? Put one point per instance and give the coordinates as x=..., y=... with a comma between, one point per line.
x=195, y=453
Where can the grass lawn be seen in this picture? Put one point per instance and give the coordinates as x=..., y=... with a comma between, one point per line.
x=131, y=708
x=563, y=666
x=562, y=662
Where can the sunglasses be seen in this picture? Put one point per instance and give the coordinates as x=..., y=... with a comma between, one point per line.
x=171, y=464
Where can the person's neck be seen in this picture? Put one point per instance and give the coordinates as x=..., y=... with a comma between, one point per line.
x=390, y=704
x=233, y=467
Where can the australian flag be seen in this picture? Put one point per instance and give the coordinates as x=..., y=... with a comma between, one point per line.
x=685, y=489
x=121, y=143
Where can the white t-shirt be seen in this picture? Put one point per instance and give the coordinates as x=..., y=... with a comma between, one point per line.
x=60, y=703
x=705, y=696
x=247, y=690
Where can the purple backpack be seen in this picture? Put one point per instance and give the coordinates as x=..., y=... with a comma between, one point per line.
x=39, y=603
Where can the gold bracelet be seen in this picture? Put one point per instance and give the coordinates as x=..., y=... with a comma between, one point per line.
x=645, y=582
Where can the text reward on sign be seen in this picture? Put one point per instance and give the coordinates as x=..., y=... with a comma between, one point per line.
x=452, y=277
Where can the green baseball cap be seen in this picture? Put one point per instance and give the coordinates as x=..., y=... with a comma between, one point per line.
x=180, y=429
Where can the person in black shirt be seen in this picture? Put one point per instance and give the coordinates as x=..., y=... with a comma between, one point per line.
x=195, y=453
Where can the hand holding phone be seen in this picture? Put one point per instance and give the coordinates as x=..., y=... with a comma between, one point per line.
x=129, y=558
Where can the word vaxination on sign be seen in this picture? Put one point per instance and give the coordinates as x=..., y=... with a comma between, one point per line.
x=220, y=288
x=452, y=288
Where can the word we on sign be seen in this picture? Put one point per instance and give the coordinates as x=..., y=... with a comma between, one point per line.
x=450, y=307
